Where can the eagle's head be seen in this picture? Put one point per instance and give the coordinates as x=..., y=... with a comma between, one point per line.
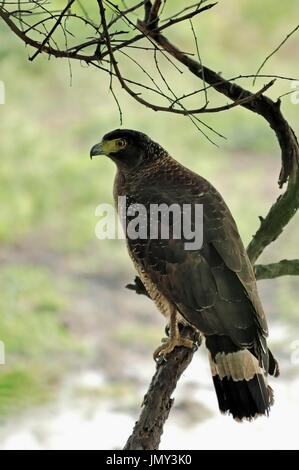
x=127, y=148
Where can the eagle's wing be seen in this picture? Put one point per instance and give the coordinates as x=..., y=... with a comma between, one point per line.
x=213, y=287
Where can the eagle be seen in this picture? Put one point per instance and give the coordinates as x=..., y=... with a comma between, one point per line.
x=211, y=286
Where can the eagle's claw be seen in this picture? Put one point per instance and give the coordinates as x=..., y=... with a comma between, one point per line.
x=168, y=345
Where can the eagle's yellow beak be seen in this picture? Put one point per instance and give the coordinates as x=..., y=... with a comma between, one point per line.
x=105, y=147
x=97, y=149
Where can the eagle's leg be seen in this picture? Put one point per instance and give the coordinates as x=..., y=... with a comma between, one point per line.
x=174, y=339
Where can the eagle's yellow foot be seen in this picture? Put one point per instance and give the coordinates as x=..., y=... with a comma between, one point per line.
x=168, y=345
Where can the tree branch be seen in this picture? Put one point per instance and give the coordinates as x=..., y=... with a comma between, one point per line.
x=283, y=268
x=157, y=402
x=263, y=106
x=138, y=287
x=42, y=47
x=279, y=215
x=275, y=50
x=67, y=7
x=171, y=109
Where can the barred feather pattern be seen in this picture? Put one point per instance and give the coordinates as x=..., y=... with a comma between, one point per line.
x=240, y=382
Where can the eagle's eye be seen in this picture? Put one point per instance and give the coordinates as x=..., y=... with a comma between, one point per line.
x=120, y=143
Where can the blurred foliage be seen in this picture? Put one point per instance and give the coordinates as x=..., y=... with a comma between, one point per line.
x=49, y=189
x=136, y=333
x=34, y=336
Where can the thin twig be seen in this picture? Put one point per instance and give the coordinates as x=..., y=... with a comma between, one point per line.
x=69, y=4
x=123, y=13
x=43, y=48
x=160, y=28
x=275, y=50
x=199, y=60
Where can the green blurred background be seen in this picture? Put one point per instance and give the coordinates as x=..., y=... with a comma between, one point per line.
x=64, y=307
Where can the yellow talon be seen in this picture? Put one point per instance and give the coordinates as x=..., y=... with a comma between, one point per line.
x=175, y=339
x=168, y=345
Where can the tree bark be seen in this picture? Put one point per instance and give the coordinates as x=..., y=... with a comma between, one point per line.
x=157, y=402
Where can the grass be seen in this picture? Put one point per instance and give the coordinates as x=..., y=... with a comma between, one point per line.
x=35, y=339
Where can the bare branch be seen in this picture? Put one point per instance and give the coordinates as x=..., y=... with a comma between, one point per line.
x=152, y=12
x=171, y=22
x=138, y=287
x=42, y=48
x=155, y=10
x=263, y=105
x=275, y=50
x=69, y=4
x=122, y=14
x=200, y=61
x=157, y=402
x=283, y=268
x=233, y=79
x=168, y=109
x=188, y=16
x=282, y=210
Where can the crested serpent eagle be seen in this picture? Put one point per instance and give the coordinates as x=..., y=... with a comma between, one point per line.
x=211, y=288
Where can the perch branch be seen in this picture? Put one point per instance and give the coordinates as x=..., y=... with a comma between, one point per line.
x=157, y=402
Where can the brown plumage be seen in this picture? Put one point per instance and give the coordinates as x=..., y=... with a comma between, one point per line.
x=213, y=288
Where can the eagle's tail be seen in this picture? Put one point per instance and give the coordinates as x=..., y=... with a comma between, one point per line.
x=240, y=383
